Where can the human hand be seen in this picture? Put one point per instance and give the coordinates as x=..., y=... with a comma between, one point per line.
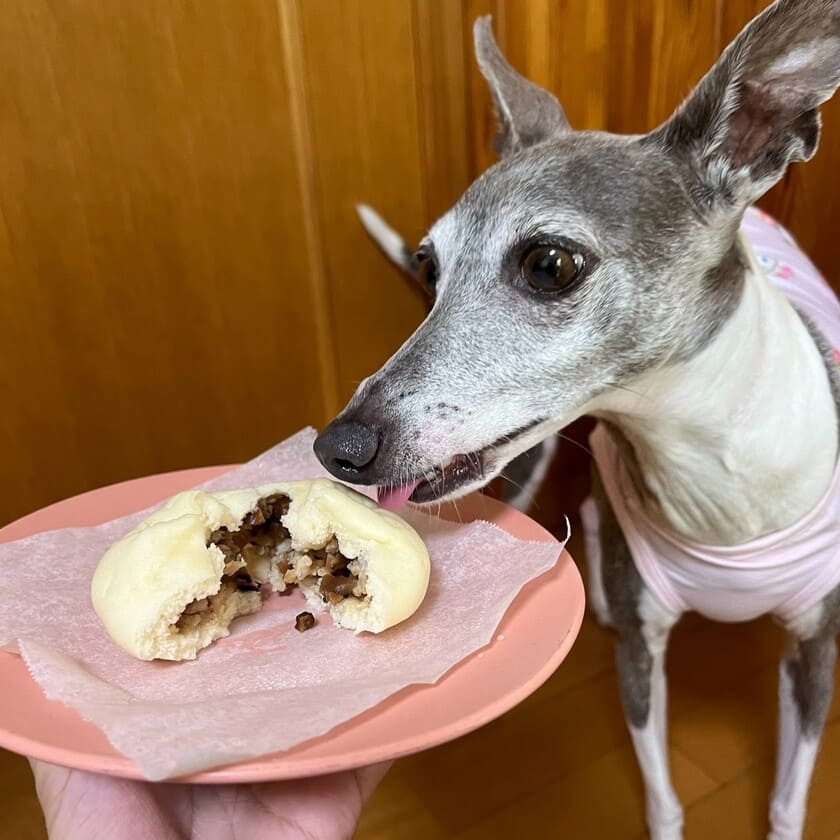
x=87, y=806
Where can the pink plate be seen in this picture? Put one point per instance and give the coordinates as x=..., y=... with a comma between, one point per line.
x=534, y=637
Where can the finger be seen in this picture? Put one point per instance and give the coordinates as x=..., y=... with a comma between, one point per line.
x=369, y=777
x=50, y=781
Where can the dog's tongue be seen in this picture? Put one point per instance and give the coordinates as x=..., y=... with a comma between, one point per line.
x=392, y=498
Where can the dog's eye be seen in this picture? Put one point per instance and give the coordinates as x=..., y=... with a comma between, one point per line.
x=427, y=272
x=549, y=268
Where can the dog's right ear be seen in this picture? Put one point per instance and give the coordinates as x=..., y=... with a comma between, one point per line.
x=527, y=114
x=756, y=110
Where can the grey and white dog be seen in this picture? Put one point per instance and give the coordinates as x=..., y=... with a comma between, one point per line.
x=588, y=273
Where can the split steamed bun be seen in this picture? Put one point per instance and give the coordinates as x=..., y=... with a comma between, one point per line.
x=174, y=584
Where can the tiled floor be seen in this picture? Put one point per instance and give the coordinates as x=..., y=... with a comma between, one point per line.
x=22, y=818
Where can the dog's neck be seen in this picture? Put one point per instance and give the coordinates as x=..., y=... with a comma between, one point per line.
x=741, y=440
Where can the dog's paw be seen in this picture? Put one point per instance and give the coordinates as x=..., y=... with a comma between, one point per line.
x=667, y=834
x=784, y=834
x=786, y=822
x=665, y=819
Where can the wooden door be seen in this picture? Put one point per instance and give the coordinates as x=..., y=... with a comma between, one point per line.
x=184, y=279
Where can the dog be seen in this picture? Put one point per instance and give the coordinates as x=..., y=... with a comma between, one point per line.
x=614, y=276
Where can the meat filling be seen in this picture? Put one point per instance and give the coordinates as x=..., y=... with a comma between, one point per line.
x=304, y=621
x=260, y=551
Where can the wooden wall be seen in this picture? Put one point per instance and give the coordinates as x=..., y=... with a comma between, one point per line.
x=184, y=279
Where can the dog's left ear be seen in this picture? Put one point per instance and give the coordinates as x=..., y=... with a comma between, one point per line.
x=527, y=114
x=756, y=111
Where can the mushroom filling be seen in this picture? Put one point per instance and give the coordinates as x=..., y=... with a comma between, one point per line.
x=260, y=551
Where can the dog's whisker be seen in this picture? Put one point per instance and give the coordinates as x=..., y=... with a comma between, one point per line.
x=578, y=444
x=530, y=495
x=635, y=393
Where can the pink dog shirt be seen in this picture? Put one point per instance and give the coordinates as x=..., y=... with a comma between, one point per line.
x=784, y=573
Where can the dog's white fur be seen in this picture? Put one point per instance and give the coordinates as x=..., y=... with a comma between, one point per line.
x=741, y=439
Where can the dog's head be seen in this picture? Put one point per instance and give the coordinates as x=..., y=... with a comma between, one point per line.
x=582, y=259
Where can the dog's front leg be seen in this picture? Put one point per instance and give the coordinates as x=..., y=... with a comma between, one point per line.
x=643, y=630
x=806, y=683
x=596, y=595
x=640, y=660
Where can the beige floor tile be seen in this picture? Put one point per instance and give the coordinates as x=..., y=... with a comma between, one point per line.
x=737, y=811
x=824, y=802
x=470, y=778
x=727, y=731
x=602, y=800
x=395, y=811
x=22, y=818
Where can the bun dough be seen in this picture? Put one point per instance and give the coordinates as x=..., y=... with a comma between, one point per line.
x=173, y=585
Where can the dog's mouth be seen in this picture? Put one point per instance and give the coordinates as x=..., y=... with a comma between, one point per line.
x=441, y=481
x=444, y=480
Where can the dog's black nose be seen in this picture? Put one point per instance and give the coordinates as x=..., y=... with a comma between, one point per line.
x=346, y=448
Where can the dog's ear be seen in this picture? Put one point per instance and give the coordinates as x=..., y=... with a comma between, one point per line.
x=527, y=114
x=756, y=110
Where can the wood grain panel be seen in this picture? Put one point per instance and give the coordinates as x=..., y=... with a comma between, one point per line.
x=657, y=51
x=482, y=121
x=156, y=310
x=621, y=67
x=362, y=94
x=442, y=79
x=562, y=45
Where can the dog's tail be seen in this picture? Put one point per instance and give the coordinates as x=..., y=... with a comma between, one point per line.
x=387, y=239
